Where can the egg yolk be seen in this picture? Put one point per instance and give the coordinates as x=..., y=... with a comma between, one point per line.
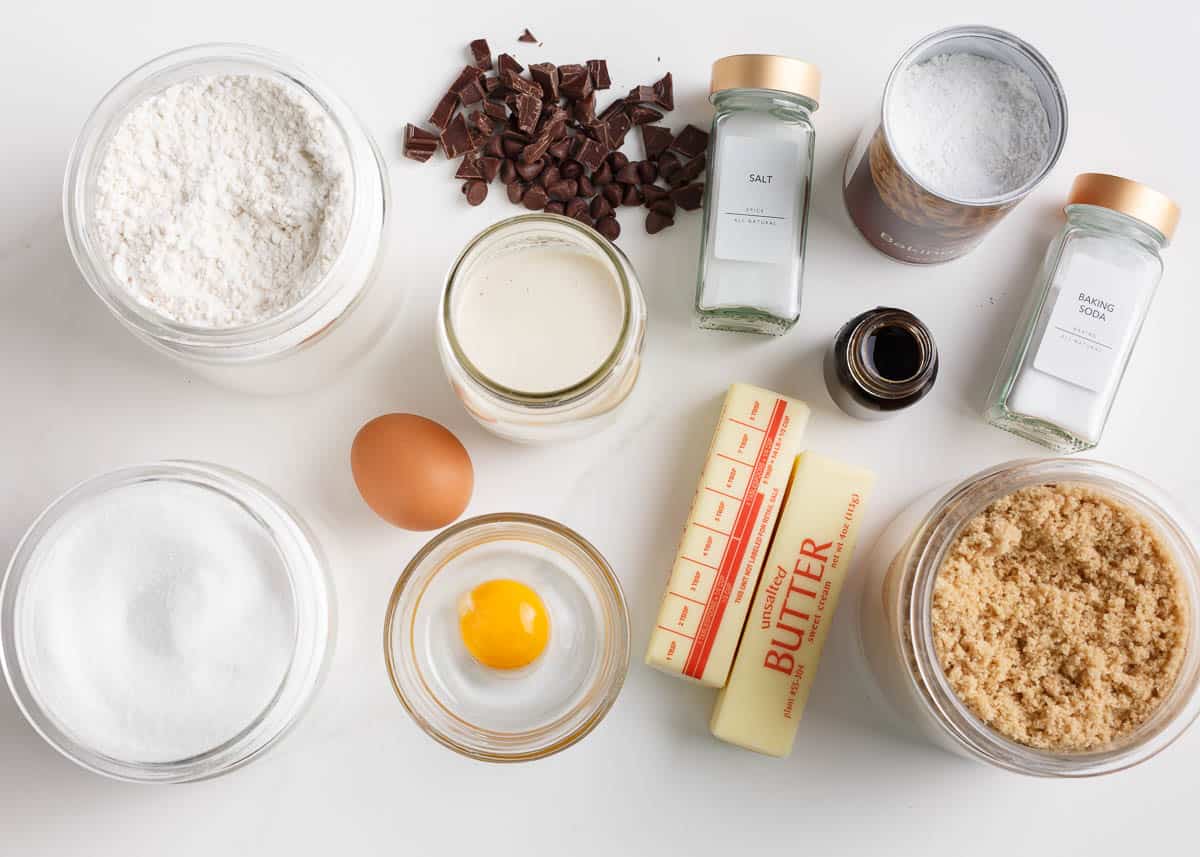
x=503, y=624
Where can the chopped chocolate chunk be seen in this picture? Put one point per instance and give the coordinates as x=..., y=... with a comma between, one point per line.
x=469, y=167
x=529, y=170
x=628, y=174
x=613, y=193
x=505, y=62
x=535, y=198
x=468, y=85
x=482, y=123
x=519, y=84
x=612, y=109
x=512, y=146
x=640, y=114
x=508, y=172
x=494, y=147
x=456, y=139
x=476, y=191
x=491, y=84
x=691, y=141
x=690, y=171
x=536, y=150
x=642, y=95
x=561, y=149
x=616, y=127
x=497, y=110
x=591, y=154
x=656, y=139
x=482, y=54
x=668, y=164
x=633, y=195
x=545, y=75
x=490, y=167
x=601, y=207
x=444, y=110
x=598, y=71
x=652, y=194
x=554, y=207
x=656, y=222
x=689, y=197
x=603, y=175
x=527, y=37
x=574, y=81
x=609, y=228
x=516, y=192
x=664, y=92
x=529, y=110
x=647, y=172
x=584, y=109
x=419, y=144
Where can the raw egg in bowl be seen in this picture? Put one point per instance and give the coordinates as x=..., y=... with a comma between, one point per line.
x=507, y=637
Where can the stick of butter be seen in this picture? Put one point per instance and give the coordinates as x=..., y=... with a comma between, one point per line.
x=776, y=663
x=726, y=535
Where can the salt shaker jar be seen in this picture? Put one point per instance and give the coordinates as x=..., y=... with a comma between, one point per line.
x=756, y=197
x=1066, y=358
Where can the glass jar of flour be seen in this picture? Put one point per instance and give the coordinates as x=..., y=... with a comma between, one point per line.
x=757, y=193
x=230, y=211
x=1065, y=361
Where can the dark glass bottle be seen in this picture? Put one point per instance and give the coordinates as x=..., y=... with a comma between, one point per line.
x=880, y=362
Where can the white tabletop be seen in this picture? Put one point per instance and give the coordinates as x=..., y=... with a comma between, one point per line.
x=80, y=396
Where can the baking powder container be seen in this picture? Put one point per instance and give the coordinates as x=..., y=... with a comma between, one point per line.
x=893, y=210
x=288, y=562
x=337, y=321
x=542, y=415
x=896, y=626
x=508, y=715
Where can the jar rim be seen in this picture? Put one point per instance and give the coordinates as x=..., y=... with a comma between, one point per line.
x=921, y=561
x=564, y=395
x=368, y=177
x=312, y=606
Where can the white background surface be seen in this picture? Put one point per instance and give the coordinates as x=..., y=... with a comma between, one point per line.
x=79, y=396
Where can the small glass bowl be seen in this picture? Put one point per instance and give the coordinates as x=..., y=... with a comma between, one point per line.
x=344, y=314
x=503, y=715
x=299, y=556
x=896, y=624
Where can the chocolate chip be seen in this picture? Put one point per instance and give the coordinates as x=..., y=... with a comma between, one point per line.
x=609, y=228
x=576, y=207
x=554, y=207
x=490, y=167
x=494, y=147
x=548, y=176
x=574, y=81
x=536, y=150
x=562, y=190
x=529, y=110
x=613, y=193
x=656, y=140
x=689, y=197
x=647, y=172
x=419, y=144
x=508, y=172
x=561, y=149
x=506, y=63
x=652, y=194
x=535, y=198
x=628, y=174
x=603, y=175
x=516, y=192
x=482, y=123
x=585, y=219
x=690, y=171
x=527, y=37
x=656, y=223
x=444, y=110
x=633, y=195
x=586, y=188
x=601, y=207
x=665, y=206
x=591, y=154
x=469, y=168
x=598, y=70
x=456, y=139
x=691, y=141
x=529, y=170
x=512, y=147
x=476, y=191
x=640, y=114
x=571, y=169
x=664, y=92
x=482, y=54
x=545, y=75
x=617, y=160
x=667, y=165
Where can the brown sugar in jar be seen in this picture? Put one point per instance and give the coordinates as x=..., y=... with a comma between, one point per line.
x=1060, y=618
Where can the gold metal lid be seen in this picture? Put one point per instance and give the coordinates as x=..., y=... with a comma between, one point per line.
x=1128, y=197
x=766, y=71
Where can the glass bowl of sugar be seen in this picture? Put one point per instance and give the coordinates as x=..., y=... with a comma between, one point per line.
x=165, y=623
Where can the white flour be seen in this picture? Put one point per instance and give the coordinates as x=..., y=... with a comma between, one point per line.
x=968, y=127
x=222, y=201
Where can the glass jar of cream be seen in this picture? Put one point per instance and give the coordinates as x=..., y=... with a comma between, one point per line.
x=165, y=623
x=756, y=197
x=339, y=311
x=897, y=623
x=1067, y=356
x=540, y=328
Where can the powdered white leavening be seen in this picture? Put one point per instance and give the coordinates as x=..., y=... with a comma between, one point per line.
x=222, y=201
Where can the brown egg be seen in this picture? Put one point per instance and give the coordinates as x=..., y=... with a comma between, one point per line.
x=412, y=471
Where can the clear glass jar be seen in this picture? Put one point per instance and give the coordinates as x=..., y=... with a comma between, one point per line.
x=544, y=415
x=336, y=322
x=896, y=621
x=1068, y=353
x=313, y=620
x=757, y=194
x=898, y=215
x=516, y=715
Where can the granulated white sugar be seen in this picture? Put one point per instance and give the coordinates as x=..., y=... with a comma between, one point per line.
x=968, y=127
x=157, y=622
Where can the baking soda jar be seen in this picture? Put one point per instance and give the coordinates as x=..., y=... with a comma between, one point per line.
x=971, y=120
